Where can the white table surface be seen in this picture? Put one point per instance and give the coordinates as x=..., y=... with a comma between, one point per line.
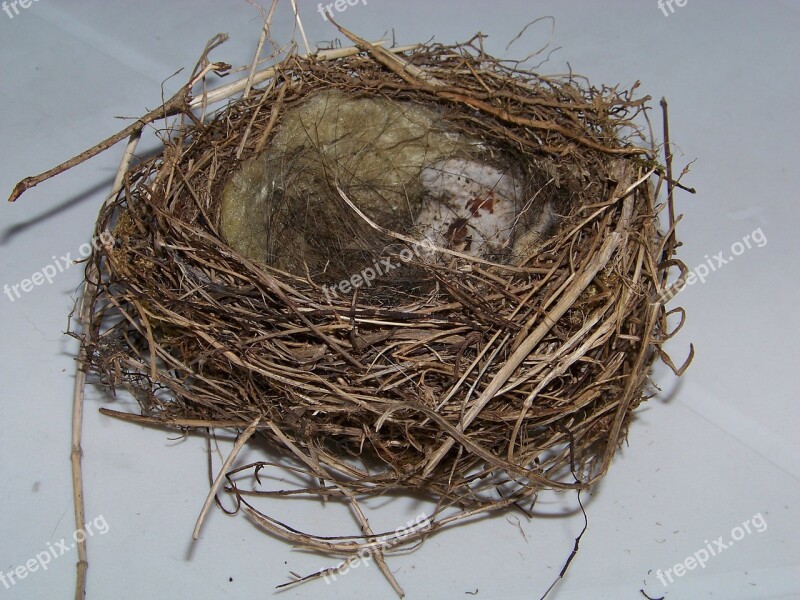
x=718, y=448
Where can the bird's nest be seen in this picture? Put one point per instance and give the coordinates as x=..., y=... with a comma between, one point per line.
x=476, y=381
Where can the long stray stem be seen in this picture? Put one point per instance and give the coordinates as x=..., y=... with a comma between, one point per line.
x=84, y=321
x=226, y=91
x=360, y=516
x=670, y=183
x=212, y=493
x=178, y=104
x=174, y=106
x=77, y=452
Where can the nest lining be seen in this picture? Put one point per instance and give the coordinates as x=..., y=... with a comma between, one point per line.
x=478, y=382
x=279, y=209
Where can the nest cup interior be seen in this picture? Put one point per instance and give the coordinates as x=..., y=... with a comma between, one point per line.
x=407, y=170
x=510, y=368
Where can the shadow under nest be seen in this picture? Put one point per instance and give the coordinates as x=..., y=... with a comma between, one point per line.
x=480, y=382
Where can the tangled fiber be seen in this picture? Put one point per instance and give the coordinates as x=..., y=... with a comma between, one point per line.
x=477, y=382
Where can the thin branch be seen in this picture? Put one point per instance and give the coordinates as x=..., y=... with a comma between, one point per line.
x=212, y=493
x=178, y=104
x=84, y=320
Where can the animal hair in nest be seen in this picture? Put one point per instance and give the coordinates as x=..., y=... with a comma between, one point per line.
x=479, y=379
